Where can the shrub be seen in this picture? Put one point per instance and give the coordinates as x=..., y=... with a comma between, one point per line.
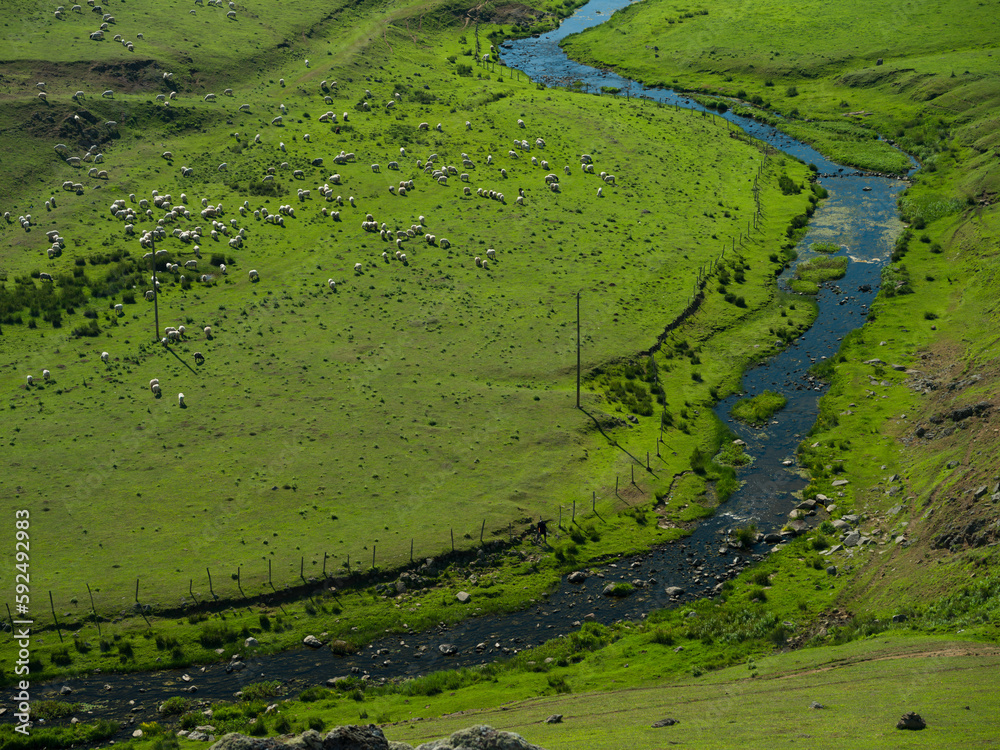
x=215, y=635
x=261, y=690
x=317, y=724
x=174, y=705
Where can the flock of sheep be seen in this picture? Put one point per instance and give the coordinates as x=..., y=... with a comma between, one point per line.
x=177, y=223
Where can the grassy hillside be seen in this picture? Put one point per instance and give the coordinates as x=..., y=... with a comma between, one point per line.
x=422, y=404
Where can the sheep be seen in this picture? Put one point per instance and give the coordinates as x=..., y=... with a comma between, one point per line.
x=486, y=264
x=600, y=192
x=519, y=200
x=254, y=276
x=276, y=120
x=46, y=374
x=566, y=169
x=224, y=167
x=351, y=201
x=154, y=382
x=610, y=179
x=479, y=261
x=105, y=356
x=167, y=155
x=180, y=400
x=120, y=309
x=44, y=276
x=108, y=94
x=423, y=126
x=468, y=125
x=491, y=254
x=29, y=380
x=43, y=96
x=467, y=190
x=358, y=267
x=199, y=358
x=150, y=294
x=444, y=244
x=376, y=168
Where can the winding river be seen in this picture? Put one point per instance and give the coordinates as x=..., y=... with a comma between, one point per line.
x=859, y=215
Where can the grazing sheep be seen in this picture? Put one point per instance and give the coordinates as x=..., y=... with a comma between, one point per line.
x=520, y=200
x=180, y=400
x=199, y=357
x=254, y=276
x=46, y=374
x=486, y=264
x=600, y=192
x=208, y=332
x=491, y=254
x=154, y=382
x=358, y=267
x=120, y=309
x=105, y=356
x=45, y=276
x=423, y=126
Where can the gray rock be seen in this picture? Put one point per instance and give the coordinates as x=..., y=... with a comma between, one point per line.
x=910, y=720
x=308, y=740
x=448, y=649
x=354, y=737
x=480, y=737
x=554, y=719
x=798, y=526
x=577, y=576
x=400, y=586
x=312, y=641
x=831, y=570
x=198, y=736
x=807, y=505
x=674, y=591
x=665, y=723
x=773, y=538
x=463, y=596
x=839, y=524
x=817, y=705
x=853, y=539
x=839, y=482
x=65, y=690
x=899, y=618
x=251, y=643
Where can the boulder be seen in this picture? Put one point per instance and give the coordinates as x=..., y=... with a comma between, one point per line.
x=480, y=737
x=312, y=641
x=65, y=690
x=674, y=591
x=251, y=642
x=448, y=649
x=839, y=482
x=910, y=720
x=665, y=723
x=554, y=719
x=355, y=737
x=817, y=705
x=852, y=540
x=577, y=576
x=463, y=596
x=798, y=526
x=773, y=538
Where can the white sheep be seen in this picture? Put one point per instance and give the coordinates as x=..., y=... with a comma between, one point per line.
x=333, y=284
x=180, y=400
x=491, y=254
x=120, y=309
x=105, y=356
x=46, y=374
x=254, y=276
x=358, y=267
x=208, y=332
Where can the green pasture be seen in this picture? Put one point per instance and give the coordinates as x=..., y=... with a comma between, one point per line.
x=759, y=409
x=841, y=73
x=419, y=403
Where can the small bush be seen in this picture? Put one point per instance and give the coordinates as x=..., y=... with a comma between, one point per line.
x=317, y=724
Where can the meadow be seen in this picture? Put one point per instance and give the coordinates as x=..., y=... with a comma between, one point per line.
x=421, y=406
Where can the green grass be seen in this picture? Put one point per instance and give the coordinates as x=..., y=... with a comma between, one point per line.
x=400, y=393
x=821, y=269
x=824, y=247
x=759, y=409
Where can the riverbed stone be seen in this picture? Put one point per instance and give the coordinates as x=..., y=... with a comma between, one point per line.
x=798, y=526
x=448, y=649
x=312, y=641
x=463, y=596
x=840, y=482
x=674, y=591
x=251, y=642
x=65, y=690
x=577, y=576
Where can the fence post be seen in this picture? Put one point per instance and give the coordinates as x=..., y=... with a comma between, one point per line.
x=92, y=609
x=54, y=618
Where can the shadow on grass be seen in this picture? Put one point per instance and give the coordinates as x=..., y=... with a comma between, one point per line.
x=614, y=442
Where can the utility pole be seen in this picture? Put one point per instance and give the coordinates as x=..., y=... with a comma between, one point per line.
x=156, y=292
x=577, y=350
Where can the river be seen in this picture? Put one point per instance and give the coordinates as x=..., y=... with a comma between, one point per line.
x=859, y=214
